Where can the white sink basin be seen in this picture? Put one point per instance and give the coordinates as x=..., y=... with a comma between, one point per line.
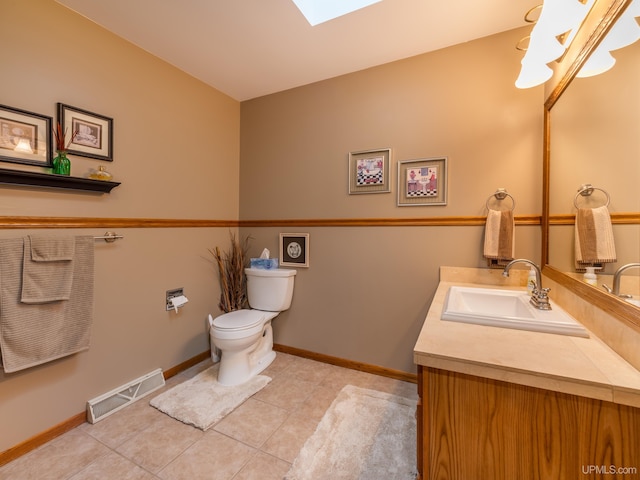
x=507, y=308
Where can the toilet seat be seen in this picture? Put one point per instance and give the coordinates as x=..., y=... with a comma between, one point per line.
x=240, y=323
x=239, y=320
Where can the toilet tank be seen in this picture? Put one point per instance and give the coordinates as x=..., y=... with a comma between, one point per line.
x=270, y=290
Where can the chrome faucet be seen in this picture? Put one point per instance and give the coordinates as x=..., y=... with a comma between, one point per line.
x=539, y=296
x=616, y=280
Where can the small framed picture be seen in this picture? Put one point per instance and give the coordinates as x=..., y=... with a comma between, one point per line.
x=25, y=137
x=294, y=249
x=422, y=182
x=369, y=171
x=90, y=134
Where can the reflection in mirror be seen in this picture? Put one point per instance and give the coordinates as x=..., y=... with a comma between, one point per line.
x=595, y=139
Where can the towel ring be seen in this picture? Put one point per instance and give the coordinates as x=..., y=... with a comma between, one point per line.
x=501, y=194
x=586, y=190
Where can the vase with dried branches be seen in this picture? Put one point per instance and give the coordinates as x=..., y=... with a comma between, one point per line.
x=233, y=282
x=61, y=164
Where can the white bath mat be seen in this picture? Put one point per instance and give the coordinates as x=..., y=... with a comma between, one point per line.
x=201, y=401
x=365, y=435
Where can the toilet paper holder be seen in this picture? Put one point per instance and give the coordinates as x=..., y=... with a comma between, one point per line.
x=175, y=299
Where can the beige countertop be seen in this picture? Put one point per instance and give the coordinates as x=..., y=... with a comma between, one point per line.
x=580, y=366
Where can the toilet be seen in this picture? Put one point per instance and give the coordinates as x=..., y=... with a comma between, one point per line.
x=245, y=337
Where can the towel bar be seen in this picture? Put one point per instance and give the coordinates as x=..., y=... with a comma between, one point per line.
x=586, y=190
x=109, y=237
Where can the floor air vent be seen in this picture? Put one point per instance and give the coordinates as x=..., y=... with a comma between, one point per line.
x=104, y=405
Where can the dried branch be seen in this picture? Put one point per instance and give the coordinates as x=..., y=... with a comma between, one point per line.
x=59, y=136
x=233, y=282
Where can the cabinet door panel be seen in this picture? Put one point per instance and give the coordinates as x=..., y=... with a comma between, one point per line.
x=480, y=428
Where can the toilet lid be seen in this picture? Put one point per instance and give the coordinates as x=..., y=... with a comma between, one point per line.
x=239, y=320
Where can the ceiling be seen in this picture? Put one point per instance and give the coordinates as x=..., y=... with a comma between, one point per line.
x=251, y=48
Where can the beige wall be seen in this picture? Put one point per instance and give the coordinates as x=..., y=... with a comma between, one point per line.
x=178, y=155
x=367, y=290
x=176, y=149
x=459, y=102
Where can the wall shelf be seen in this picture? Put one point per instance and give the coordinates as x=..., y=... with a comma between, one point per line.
x=48, y=180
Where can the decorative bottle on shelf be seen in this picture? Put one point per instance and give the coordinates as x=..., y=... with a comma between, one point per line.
x=61, y=164
x=100, y=174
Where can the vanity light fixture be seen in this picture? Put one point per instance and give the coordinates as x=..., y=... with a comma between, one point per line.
x=623, y=33
x=319, y=11
x=557, y=19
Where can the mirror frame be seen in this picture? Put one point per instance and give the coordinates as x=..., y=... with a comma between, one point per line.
x=598, y=22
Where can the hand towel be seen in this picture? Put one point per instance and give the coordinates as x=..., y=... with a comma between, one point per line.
x=499, y=238
x=47, y=268
x=51, y=248
x=594, y=242
x=32, y=334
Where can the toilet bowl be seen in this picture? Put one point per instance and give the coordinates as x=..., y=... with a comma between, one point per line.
x=245, y=341
x=245, y=337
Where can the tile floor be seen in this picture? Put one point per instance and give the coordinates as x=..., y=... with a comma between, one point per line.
x=258, y=440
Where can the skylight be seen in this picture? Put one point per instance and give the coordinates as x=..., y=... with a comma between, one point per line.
x=319, y=11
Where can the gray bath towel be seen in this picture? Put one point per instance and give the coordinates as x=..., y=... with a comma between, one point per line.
x=32, y=334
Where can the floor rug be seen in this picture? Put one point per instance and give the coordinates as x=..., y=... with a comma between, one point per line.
x=364, y=435
x=201, y=401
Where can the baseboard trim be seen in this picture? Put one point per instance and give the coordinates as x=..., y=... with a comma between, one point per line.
x=353, y=365
x=40, y=439
x=170, y=372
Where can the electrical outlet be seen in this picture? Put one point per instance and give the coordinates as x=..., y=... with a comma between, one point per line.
x=172, y=294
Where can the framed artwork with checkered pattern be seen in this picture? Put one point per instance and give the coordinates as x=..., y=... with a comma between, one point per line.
x=369, y=171
x=422, y=182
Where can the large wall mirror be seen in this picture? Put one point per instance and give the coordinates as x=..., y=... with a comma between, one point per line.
x=592, y=136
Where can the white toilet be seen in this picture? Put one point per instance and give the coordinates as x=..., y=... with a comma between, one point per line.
x=245, y=337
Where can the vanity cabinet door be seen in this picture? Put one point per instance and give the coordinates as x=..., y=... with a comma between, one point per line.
x=474, y=428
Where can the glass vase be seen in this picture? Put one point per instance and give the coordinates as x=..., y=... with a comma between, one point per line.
x=61, y=164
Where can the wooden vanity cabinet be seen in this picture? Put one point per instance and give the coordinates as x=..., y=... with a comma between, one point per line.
x=474, y=428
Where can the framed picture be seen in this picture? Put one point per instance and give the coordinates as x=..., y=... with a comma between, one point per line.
x=369, y=171
x=422, y=182
x=91, y=134
x=25, y=137
x=294, y=249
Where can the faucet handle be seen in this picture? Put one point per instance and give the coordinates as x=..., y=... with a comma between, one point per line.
x=540, y=299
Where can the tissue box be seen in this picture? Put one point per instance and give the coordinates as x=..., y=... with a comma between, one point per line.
x=264, y=263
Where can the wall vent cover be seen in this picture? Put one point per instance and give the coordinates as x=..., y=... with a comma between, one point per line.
x=104, y=405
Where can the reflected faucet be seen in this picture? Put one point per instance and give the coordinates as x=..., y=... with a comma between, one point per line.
x=539, y=296
x=616, y=280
